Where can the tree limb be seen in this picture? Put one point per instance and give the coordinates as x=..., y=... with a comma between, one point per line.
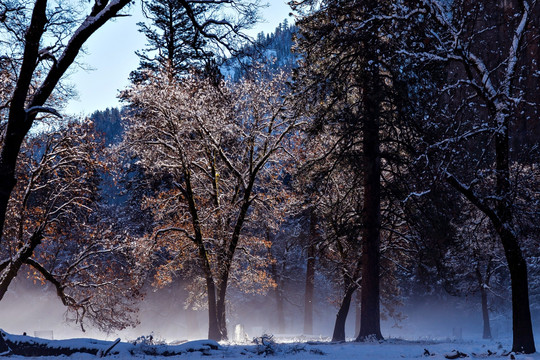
x=66, y=299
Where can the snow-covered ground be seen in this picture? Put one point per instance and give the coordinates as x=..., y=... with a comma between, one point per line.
x=391, y=349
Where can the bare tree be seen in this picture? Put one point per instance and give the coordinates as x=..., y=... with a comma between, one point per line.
x=485, y=48
x=214, y=148
x=38, y=31
x=40, y=41
x=51, y=228
x=43, y=40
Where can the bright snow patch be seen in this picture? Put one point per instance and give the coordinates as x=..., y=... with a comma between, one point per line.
x=392, y=349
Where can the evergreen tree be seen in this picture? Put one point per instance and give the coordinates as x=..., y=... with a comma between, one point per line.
x=108, y=124
x=173, y=42
x=353, y=99
x=274, y=50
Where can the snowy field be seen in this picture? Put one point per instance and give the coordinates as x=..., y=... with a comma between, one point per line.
x=392, y=349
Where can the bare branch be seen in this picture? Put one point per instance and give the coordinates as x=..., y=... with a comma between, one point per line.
x=66, y=299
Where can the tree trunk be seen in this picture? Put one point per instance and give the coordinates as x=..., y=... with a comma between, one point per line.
x=7, y=183
x=310, y=289
x=221, y=311
x=484, y=283
x=225, y=261
x=341, y=317
x=12, y=269
x=280, y=306
x=214, y=332
x=357, y=309
x=523, y=338
x=280, y=310
x=19, y=122
x=371, y=216
x=485, y=314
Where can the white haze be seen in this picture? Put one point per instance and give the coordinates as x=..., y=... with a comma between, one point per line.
x=29, y=308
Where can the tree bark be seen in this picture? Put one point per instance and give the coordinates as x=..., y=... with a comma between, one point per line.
x=221, y=311
x=357, y=310
x=280, y=306
x=214, y=332
x=483, y=283
x=341, y=317
x=7, y=181
x=485, y=314
x=309, y=291
x=226, y=263
x=523, y=339
x=371, y=216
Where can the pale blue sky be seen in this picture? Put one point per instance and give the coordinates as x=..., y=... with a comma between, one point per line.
x=111, y=55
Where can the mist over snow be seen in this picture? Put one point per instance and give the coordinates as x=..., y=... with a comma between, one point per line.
x=36, y=310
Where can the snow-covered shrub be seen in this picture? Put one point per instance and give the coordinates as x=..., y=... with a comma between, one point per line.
x=265, y=344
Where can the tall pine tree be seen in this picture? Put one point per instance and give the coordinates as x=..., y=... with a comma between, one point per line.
x=347, y=85
x=173, y=43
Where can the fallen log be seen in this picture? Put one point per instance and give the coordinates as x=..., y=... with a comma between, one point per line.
x=110, y=348
x=4, y=348
x=31, y=346
x=455, y=354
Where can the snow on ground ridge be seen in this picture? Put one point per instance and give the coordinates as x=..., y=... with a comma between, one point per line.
x=268, y=347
